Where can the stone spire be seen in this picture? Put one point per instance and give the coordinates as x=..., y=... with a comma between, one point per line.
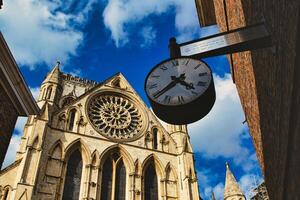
x=232, y=188
x=51, y=89
x=53, y=75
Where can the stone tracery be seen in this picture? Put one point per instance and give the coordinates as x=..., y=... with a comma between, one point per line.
x=115, y=116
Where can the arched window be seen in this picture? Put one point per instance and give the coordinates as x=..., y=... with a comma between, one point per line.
x=106, y=183
x=5, y=195
x=155, y=131
x=67, y=101
x=73, y=177
x=72, y=115
x=113, y=184
x=43, y=93
x=150, y=183
x=49, y=91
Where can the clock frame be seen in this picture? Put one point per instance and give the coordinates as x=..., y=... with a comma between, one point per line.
x=187, y=112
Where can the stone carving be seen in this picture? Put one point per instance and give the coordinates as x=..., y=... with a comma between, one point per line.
x=115, y=116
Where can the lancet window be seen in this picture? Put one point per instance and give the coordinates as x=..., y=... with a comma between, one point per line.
x=73, y=177
x=150, y=183
x=113, y=184
x=71, y=120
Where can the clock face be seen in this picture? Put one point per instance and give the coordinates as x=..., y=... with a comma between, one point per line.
x=178, y=81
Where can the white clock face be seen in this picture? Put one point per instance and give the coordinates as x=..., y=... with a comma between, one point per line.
x=178, y=81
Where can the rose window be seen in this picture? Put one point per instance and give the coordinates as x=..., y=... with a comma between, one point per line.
x=114, y=116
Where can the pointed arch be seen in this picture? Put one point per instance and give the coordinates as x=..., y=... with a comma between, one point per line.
x=72, y=185
x=170, y=172
x=137, y=167
x=150, y=180
x=128, y=161
x=54, y=163
x=155, y=137
x=56, y=151
x=49, y=92
x=171, y=181
x=158, y=165
x=95, y=158
x=115, y=164
x=72, y=119
x=34, y=143
x=78, y=144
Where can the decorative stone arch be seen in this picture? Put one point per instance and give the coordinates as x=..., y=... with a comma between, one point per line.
x=5, y=193
x=137, y=167
x=95, y=161
x=158, y=165
x=113, y=158
x=73, y=126
x=34, y=142
x=82, y=147
x=171, y=181
x=159, y=170
x=53, y=148
x=85, y=153
x=66, y=100
x=128, y=161
x=49, y=91
x=55, y=163
x=171, y=169
x=156, y=137
x=62, y=121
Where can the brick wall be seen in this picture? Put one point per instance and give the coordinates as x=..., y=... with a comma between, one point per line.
x=268, y=85
x=8, y=117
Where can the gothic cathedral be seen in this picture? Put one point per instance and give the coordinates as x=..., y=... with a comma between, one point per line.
x=98, y=141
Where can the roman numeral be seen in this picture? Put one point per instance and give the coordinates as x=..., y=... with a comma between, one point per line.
x=180, y=99
x=197, y=66
x=155, y=76
x=167, y=99
x=187, y=62
x=175, y=63
x=201, y=83
x=164, y=68
x=203, y=74
x=152, y=86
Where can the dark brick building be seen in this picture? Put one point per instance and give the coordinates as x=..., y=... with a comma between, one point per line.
x=268, y=85
x=15, y=97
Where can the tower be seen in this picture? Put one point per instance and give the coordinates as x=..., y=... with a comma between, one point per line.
x=99, y=141
x=232, y=190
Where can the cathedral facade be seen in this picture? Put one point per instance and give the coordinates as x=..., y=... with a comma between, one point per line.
x=98, y=141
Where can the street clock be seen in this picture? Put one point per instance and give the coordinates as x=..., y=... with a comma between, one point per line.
x=181, y=90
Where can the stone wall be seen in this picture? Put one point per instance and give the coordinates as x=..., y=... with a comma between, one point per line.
x=268, y=85
x=8, y=117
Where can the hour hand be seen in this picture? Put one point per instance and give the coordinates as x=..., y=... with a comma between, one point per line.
x=188, y=86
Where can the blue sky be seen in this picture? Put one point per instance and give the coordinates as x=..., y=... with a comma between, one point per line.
x=97, y=38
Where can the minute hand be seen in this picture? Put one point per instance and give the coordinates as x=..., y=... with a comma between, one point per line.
x=168, y=87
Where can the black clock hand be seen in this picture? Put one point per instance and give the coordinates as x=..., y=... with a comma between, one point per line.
x=188, y=86
x=168, y=87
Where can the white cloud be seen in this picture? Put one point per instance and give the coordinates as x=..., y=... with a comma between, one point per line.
x=119, y=14
x=248, y=183
x=218, y=191
x=14, y=142
x=149, y=35
x=222, y=127
x=21, y=121
x=35, y=92
x=12, y=150
x=38, y=31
